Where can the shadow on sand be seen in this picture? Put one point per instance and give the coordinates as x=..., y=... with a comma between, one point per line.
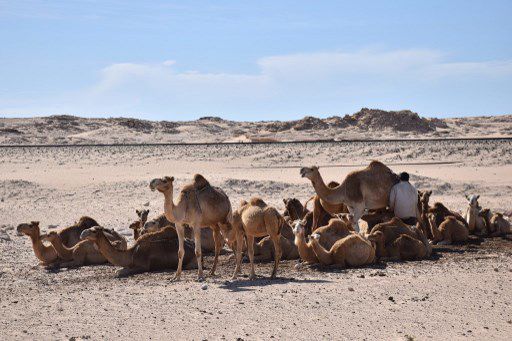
x=248, y=285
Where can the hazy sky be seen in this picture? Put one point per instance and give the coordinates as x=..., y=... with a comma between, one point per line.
x=254, y=60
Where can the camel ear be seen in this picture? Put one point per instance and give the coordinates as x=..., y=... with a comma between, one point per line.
x=284, y=200
x=35, y=223
x=429, y=192
x=138, y=212
x=478, y=197
x=467, y=196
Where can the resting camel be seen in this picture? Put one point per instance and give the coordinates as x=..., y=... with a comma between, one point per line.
x=375, y=217
x=84, y=252
x=404, y=246
x=323, y=210
x=207, y=241
x=367, y=188
x=294, y=210
x=476, y=223
x=351, y=251
x=198, y=205
x=137, y=225
x=441, y=212
x=264, y=249
x=69, y=235
x=151, y=251
x=256, y=219
x=495, y=223
x=45, y=253
x=449, y=231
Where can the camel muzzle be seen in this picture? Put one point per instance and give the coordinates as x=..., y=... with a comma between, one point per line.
x=303, y=172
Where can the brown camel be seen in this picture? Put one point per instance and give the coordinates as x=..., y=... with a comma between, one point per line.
x=423, y=207
x=152, y=251
x=495, y=223
x=352, y=251
x=137, y=225
x=449, y=231
x=374, y=217
x=367, y=188
x=441, y=212
x=264, y=249
x=45, y=253
x=305, y=249
x=323, y=210
x=256, y=219
x=84, y=252
x=207, y=240
x=475, y=223
x=293, y=209
x=405, y=247
x=198, y=205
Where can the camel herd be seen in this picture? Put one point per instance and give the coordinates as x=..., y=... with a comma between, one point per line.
x=350, y=225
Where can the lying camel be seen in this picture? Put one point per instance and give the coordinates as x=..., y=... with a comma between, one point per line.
x=199, y=204
x=294, y=210
x=256, y=219
x=475, y=223
x=323, y=210
x=404, y=247
x=152, y=251
x=367, y=188
x=423, y=207
x=374, y=217
x=264, y=249
x=495, y=223
x=137, y=225
x=352, y=251
x=45, y=253
x=207, y=240
x=441, y=212
x=304, y=248
x=84, y=252
x=449, y=231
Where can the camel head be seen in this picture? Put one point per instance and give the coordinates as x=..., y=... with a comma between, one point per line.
x=310, y=173
x=473, y=200
x=294, y=208
x=485, y=213
x=143, y=215
x=298, y=227
x=162, y=185
x=28, y=229
x=315, y=236
x=51, y=236
x=92, y=233
x=150, y=226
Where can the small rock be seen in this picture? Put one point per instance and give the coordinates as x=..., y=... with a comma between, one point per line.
x=146, y=204
x=391, y=299
x=204, y=286
x=496, y=269
x=361, y=276
x=350, y=289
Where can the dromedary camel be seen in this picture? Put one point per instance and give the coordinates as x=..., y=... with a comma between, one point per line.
x=441, y=212
x=423, y=207
x=152, y=251
x=207, y=240
x=351, y=251
x=449, y=231
x=405, y=247
x=84, y=252
x=199, y=204
x=476, y=224
x=45, y=253
x=294, y=210
x=137, y=225
x=321, y=209
x=362, y=189
x=256, y=219
x=305, y=249
x=495, y=223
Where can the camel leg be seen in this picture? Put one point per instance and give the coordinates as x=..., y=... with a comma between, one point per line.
x=250, y=251
x=357, y=212
x=218, y=244
x=199, y=252
x=180, y=230
x=277, y=253
x=239, y=249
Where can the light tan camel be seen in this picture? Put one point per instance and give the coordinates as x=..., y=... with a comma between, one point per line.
x=367, y=188
x=199, y=204
x=476, y=224
x=84, y=252
x=45, y=253
x=404, y=247
x=352, y=251
x=256, y=219
x=137, y=225
x=305, y=249
x=207, y=240
x=152, y=251
x=449, y=231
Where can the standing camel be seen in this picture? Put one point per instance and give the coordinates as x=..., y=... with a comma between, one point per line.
x=198, y=205
x=367, y=188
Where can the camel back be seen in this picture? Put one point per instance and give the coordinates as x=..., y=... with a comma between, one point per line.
x=376, y=176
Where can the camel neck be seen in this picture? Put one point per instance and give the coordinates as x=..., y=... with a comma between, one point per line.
x=305, y=251
x=169, y=206
x=46, y=254
x=62, y=251
x=322, y=254
x=113, y=255
x=435, y=231
x=332, y=196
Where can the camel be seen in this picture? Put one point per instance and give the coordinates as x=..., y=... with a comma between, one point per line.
x=256, y=219
x=441, y=212
x=137, y=225
x=449, y=231
x=264, y=249
x=45, y=253
x=84, y=252
x=207, y=241
x=423, y=207
x=475, y=223
x=198, y=205
x=374, y=217
x=321, y=208
x=151, y=251
x=367, y=188
x=403, y=246
x=304, y=248
x=352, y=251
x=294, y=209
x=495, y=223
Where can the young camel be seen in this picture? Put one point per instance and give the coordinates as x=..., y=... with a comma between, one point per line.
x=476, y=223
x=495, y=223
x=198, y=205
x=45, y=253
x=423, y=199
x=351, y=251
x=137, y=225
x=449, y=231
x=294, y=210
x=256, y=219
x=367, y=188
x=152, y=251
x=404, y=247
x=84, y=252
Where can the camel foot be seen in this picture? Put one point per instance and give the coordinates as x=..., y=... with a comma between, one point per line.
x=176, y=278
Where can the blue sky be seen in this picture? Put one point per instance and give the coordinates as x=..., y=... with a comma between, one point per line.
x=254, y=60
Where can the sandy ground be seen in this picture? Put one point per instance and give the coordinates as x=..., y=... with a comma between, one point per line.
x=462, y=292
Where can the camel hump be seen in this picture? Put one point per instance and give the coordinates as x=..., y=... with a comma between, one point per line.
x=200, y=182
x=87, y=222
x=257, y=202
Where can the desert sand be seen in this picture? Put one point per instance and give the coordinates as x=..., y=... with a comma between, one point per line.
x=461, y=292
